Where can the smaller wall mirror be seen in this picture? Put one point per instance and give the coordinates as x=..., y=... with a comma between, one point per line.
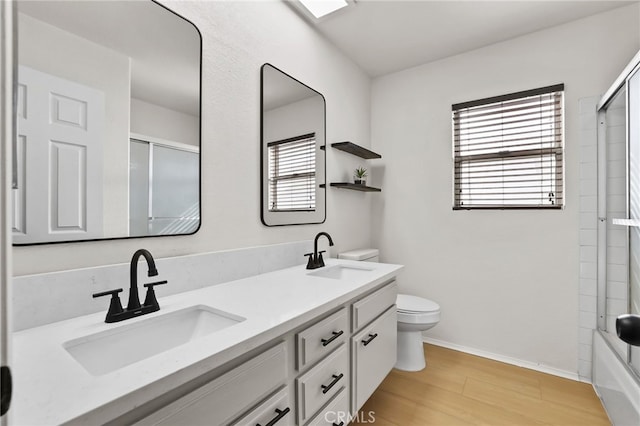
x=292, y=150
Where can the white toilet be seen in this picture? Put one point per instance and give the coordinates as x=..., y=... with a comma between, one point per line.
x=415, y=315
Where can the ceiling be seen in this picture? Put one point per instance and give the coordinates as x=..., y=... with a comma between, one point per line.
x=387, y=36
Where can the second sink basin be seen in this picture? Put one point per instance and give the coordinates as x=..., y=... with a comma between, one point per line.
x=110, y=350
x=341, y=272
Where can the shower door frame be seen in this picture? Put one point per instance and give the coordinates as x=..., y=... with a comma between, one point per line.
x=622, y=82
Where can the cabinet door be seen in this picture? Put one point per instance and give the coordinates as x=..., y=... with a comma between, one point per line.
x=277, y=410
x=336, y=413
x=228, y=396
x=368, y=308
x=373, y=355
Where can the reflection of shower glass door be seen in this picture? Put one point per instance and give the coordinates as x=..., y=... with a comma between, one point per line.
x=633, y=90
x=164, y=190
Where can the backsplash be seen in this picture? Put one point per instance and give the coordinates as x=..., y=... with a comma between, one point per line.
x=45, y=298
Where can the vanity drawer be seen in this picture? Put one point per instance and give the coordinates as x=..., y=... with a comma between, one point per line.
x=321, y=338
x=229, y=395
x=373, y=356
x=334, y=414
x=317, y=386
x=368, y=308
x=277, y=410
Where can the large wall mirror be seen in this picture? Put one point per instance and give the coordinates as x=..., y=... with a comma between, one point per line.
x=292, y=150
x=108, y=112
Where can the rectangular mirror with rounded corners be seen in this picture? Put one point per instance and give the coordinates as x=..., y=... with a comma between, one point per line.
x=292, y=149
x=108, y=114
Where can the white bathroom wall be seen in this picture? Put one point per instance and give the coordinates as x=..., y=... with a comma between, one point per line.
x=238, y=37
x=507, y=281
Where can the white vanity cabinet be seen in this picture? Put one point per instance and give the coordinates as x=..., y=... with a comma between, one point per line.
x=319, y=373
x=295, y=354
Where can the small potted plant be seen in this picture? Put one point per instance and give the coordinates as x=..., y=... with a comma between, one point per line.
x=359, y=176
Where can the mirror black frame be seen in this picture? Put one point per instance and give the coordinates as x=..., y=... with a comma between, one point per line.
x=263, y=184
x=15, y=118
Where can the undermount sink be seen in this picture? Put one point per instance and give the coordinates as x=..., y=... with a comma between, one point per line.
x=110, y=350
x=341, y=272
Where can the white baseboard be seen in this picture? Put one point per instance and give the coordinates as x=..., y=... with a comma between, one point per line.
x=506, y=359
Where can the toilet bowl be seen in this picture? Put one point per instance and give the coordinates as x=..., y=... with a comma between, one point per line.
x=415, y=315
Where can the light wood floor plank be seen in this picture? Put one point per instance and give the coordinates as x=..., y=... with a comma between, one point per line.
x=459, y=389
x=534, y=408
x=389, y=409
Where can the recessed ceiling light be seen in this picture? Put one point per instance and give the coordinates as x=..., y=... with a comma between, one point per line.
x=320, y=8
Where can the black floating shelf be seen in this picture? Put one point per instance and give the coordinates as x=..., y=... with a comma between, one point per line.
x=354, y=149
x=355, y=187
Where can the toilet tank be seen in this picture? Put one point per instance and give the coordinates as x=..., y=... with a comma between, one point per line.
x=365, y=255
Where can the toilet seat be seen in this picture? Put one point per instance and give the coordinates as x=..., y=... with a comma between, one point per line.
x=417, y=310
x=408, y=304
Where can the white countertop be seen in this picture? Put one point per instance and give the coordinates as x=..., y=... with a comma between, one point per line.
x=51, y=387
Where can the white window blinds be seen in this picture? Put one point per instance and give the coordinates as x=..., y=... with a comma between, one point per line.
x=508, y=151
x=292, y=174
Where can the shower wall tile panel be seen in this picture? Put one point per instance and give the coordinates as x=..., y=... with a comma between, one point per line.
x=588, y=235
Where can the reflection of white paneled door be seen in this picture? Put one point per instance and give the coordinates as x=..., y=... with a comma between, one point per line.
x=60, y=143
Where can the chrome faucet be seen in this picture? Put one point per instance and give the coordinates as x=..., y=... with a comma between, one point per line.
x=315, y=258
x=134, y=309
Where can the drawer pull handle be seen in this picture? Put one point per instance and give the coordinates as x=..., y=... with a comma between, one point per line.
x=336, y=379
x=276, y=419
x=370, y=339
x=335, y=335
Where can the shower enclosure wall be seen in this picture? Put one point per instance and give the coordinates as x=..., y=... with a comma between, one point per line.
x=616, y=365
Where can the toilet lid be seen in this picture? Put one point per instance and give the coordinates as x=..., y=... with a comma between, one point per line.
x=408, y=303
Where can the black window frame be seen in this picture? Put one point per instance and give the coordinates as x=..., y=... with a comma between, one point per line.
x=518, y=153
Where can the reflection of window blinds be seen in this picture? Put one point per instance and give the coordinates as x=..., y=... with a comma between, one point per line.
x=508, y=151
x=292, y=174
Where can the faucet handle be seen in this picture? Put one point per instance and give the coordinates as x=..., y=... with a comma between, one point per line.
x=150, y=300
x=320, y=260
x=114, y=293
x=115, y=307
x=311, y=263
x=151, y=285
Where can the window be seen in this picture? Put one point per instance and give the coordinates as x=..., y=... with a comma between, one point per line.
x=508, y=151
x=292, y=174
